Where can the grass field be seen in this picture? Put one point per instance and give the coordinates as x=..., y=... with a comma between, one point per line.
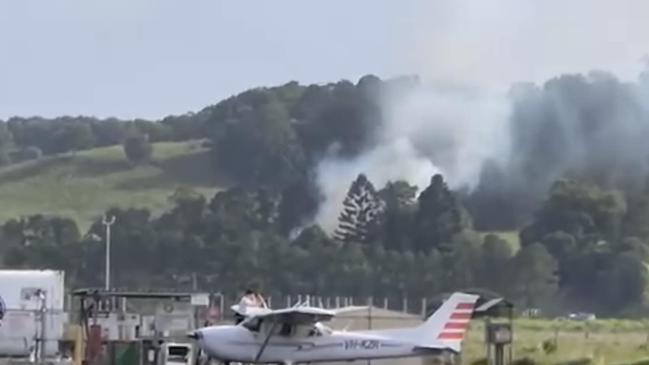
x=82, y=185
x=602, y=342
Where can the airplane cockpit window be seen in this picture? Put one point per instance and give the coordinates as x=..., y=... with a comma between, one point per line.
x=253, y=324
x=315, y=332
x=286, y=330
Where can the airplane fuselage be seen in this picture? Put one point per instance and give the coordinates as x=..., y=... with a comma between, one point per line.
x=237, y=344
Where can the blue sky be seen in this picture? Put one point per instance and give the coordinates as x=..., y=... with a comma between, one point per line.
x=147, y=59
x=150, y=58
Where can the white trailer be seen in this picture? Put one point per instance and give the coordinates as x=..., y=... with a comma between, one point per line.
x=18, y=286
x=34, y=305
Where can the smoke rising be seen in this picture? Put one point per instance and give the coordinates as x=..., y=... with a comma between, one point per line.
x=471, y=108
x=426, y=130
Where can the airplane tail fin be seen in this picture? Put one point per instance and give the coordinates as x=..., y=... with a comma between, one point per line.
x=450, y=322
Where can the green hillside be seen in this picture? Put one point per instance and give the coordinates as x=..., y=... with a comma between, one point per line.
x=82, y=185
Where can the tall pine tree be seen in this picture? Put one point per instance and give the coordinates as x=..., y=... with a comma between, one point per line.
x=440, y=216
x=400, y=205
x=361, y=207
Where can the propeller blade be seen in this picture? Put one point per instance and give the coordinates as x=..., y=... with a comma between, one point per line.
x=195, y=335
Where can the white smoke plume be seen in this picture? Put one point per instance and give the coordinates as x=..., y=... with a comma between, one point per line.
x=426, y=131
x=469, y=53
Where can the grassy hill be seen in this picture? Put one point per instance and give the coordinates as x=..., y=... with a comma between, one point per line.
x=82, y=185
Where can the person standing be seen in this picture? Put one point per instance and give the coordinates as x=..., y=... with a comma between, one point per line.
x=261, y=302
x=249, y=299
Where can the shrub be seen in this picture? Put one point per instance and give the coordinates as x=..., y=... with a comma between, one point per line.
x=138, y=149
x=549, y=346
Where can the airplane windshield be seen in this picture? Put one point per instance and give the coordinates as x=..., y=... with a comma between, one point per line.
x=252, y=324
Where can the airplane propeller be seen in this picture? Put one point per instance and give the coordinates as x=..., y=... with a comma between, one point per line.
x=194, y=335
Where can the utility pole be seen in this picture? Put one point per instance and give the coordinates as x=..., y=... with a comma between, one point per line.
x=107, y=223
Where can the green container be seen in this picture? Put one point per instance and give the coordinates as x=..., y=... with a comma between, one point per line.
x=125, y=353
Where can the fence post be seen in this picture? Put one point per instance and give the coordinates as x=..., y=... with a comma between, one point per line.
x=369, y=312
x=423, y=307
x=405, y=304
x=337, y=302
x=221, y=305
x=288, y=301
x=385, y=303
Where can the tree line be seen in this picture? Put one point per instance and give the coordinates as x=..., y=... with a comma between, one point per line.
x=585, y=250
x=30, y=138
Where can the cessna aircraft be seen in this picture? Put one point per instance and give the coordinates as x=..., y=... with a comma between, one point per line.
x=297, y=335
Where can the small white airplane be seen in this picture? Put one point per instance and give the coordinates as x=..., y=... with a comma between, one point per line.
x=296, y=335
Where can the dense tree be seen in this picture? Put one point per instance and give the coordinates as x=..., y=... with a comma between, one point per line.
x=187, y=214
x=493, y=271
x=39, y=241
x=6, y=143
x=317, y=251
x=396, y=220
x=109, y=132
x=626, y=283
x=358, y=220
x=581, y=210
x=635, y=221
x=237, y=211
x=74, y=137
x=439, y=216
x=133, y=243
x=298, y=204
x=498, y=192
x=259, y=145
x=561, y=245
x=138, y=149
x=66, y=133
x=535, y=280
x=462, y=260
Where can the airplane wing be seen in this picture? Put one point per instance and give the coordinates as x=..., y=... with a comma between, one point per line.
x=353, y=308
x=297, y=315
x=248, y=311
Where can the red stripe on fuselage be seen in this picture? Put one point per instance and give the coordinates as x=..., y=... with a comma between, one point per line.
x=461, y=316
x=464, y=306
x=456, y=325
x=451, y=336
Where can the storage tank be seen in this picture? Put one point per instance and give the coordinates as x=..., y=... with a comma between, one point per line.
x=22, y=323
